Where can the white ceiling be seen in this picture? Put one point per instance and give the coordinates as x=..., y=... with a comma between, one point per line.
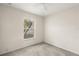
x=43, y=9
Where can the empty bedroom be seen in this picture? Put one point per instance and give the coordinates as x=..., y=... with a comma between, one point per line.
x=39, y=29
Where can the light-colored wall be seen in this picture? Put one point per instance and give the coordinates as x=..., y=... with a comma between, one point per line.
x=62, y=29
x=12, y=29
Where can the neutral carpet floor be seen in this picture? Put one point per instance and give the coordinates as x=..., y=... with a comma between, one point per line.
x=42, y=49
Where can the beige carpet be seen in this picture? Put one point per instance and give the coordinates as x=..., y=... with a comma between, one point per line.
x=41, y=49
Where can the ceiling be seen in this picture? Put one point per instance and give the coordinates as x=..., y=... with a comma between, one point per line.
x=43, y=9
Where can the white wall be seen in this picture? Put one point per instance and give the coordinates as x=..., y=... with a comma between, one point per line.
x=12, y=29
x=62, y=29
